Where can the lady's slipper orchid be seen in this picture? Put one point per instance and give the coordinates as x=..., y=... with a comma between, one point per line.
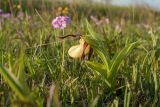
x=79, y=51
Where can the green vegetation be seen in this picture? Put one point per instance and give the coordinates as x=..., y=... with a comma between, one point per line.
x=36, y=70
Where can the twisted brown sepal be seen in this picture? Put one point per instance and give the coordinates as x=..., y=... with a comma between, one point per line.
x=90, y=53
x=70, y=35
x=84, y=48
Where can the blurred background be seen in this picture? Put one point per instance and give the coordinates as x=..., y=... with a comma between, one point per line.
x=132, y=11
x=154, y=4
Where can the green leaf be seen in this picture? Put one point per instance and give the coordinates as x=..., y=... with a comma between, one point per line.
x=100, y=68
x=116, y=61
x=12, y=81
x=92, y=33
x=92, y=42
x=104, y=58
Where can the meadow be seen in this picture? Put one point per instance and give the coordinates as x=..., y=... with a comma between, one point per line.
x=37, y=70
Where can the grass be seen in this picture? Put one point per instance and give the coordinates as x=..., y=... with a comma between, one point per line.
x=31, y=55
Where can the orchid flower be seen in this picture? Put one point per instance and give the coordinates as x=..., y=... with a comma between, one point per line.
x=80, y=50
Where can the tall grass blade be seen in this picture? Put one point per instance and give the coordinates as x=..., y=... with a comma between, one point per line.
x=94, y=102
x=127, y=97
x=12, y=81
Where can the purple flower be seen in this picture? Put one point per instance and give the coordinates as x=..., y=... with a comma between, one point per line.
x=1, y=11
x=61, y=22
x=1, y=21
x=28, y=17
x=20, y=14
x=6, y=15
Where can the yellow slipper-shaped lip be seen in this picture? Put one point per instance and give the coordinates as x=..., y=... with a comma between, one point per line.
x=76, y=51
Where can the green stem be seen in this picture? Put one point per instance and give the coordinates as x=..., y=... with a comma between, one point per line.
x=63, y=52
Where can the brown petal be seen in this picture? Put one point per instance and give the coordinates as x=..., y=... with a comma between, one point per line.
x=84, y=48
x=90, y=53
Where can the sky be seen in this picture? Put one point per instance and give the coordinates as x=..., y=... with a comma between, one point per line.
x=155, y=4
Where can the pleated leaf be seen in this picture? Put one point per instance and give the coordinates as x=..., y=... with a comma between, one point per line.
x=116, y=61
